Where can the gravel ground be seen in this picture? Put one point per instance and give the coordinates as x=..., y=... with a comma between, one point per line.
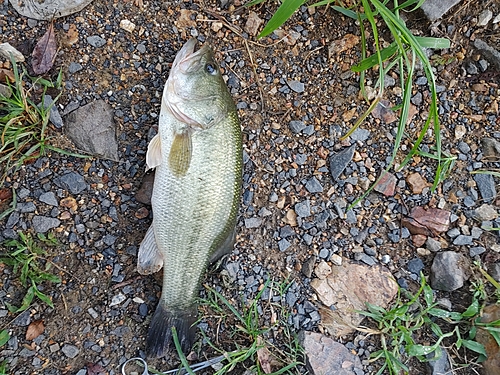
x=294, y=101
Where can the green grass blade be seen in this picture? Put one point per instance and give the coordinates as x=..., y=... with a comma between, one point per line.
x=4, y=337
x=284, y=12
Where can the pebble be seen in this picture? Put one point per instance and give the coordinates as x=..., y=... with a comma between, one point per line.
x=6, y=50
x=127, y=26
x=70, y=351
x=253, y=222
x=117, y=299
x=303, y=209
x=386, y=185
x=485, y=212
x=296, y=86
x=340, y=160
x=74, y=67
x=296, y=126
x=72, y=181
x=314, y=186
x=96, y=41
x=415, y=266
x=447, y=271
x=49, y=198
x=462, y=240
x=432, y=244
x=42, y=224
x=484, y=17
x=478, y=250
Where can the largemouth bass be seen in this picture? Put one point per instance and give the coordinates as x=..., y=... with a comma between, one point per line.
x=197, y=154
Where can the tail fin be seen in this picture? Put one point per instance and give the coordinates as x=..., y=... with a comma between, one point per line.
x=160, y=330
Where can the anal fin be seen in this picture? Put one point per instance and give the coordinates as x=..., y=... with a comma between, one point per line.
x=149, y=259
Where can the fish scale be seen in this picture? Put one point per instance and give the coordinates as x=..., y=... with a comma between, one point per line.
x=198, y=156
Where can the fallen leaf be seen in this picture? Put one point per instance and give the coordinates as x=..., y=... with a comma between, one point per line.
x=185, y=20
x=6, y=74
x=71, y=36
x=44, y=52
x=35, y=329
x=265, y=358
x=95, y=369
x=5, y=194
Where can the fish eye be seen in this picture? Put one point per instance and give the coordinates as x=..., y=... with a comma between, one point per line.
x=211, y=68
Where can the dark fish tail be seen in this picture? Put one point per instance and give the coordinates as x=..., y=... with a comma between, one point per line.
x=160, y=330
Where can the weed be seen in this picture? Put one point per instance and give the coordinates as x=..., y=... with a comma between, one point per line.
x=26, y=257
x=409, y=315
x=23, y=124
x=401, y=55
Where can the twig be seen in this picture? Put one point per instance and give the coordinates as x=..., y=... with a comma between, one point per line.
x=256, y=76
x=126, y=282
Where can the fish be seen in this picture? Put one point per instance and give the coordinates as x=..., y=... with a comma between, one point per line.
x=197, y=156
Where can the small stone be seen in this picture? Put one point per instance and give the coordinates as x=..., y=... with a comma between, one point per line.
x=117, y=299
x=460, y=131
x=314, y=186
x=462, y=240
x=49, y=198
x=415, y=266
x=6, y=50
x=490, y=148
x=42, y=224
x=308, y=266
x=340, y=160
x=284, y=244
x=439, y=362
x=336, y=259
x=418, y=239
x=303, y=209
x=386, y=184
x=322, y=270
x=127, y=25
x=96, y=41
x=485, y=212
x=72, y=181
x=417, y=183
x=296, y=126
x=478, y=250
x=54, y=348
x=432, y=244
x=448, y=271
x=74, y=67
x=253, y=222
x=360, y=135
x=427, y=222
x=70, y=351
x=486, y=185
x=484, y=17
x=296, y=86
x=253, y=23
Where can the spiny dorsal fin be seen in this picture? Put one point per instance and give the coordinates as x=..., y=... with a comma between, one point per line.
x=180, y=153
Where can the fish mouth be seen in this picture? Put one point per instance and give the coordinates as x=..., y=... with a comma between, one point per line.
x=188, y=57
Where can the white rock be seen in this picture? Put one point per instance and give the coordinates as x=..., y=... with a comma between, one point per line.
x=6, y=49
x=484, y=17
x=116, y=300
x=127, y=25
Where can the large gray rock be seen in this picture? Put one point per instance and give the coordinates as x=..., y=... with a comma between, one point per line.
x=327, y=357
x=48, y=9
x=93, y=130
x=449, y=271
x=435, y=9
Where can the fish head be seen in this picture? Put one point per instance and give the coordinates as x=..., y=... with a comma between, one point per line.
x=195, y=91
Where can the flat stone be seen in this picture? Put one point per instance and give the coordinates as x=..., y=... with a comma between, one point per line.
x=448, y=271
x=432, y=244
x=72, y=182
x=427, y=222
x=303, y=209
x=308, y=266
x=96, y=41
x=296, y=126
x=441, y=365
x=70, y=351
x=386, y=185
x=253, y=23
x=42, y=224
x=484, y=17
x=491, y=365
x=49, y=198
x=435, y=9
x=489, y=53
x=93, y=130
x=325, y=356
x=462, y=240
x=415, y=265
x=486, y=185
x=296, y=86
x=6, y=50
x=417, y=183
x=253, y=222
x=340, y=160
x=347, y=289
x=314, y=186
x=478, y=250
x=74, y=67
x=47, y=10
x=360, y=135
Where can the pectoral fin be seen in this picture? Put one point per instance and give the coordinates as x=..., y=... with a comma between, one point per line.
x=180, y=153
x=153, y=155
x=149, y=259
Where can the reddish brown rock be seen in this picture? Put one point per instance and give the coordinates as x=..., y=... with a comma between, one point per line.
x=419, y=240
x=492, y=364
x=427, y=222
x=386, y=185
x=417, y=183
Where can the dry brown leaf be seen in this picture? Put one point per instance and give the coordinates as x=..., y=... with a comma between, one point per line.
x=44, y=52
x=6, y=73
x=35, y=329
x=5, y=194
x=71, y=36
